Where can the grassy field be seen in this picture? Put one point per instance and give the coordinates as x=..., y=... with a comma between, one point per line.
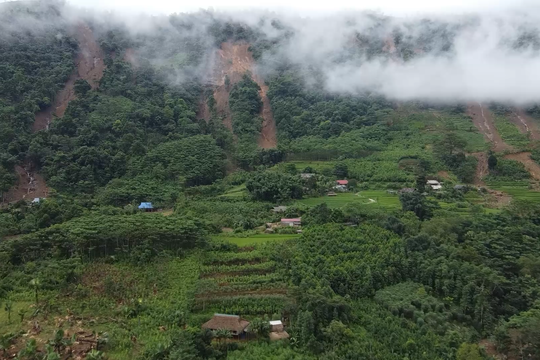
x=236, y=192
x=255, y=239
x=517, y=189
x=368, y=198
x=510, y=133
x=301, y=165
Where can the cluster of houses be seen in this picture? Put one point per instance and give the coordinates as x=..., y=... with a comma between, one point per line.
x=239, y=327
x=435, y=185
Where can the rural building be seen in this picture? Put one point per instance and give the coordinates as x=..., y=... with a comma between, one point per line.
x=277, y=330
x=331, y=193
x=306, y=175
x=147, y=207
x=279, y=209
x=341, y=185
x=37, y=200
x=435, y=184
x=234, y=323
x=407, y=190
x=291, y=222
x=276, y=325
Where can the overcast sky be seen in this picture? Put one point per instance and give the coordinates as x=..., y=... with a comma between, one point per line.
x=306, y=7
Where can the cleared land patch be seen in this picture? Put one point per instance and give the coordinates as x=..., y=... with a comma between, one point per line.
x=368, y=198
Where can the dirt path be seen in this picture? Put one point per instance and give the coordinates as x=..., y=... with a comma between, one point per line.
x=481, y=168
x=483, y=120
x=89, y=66
x=233, y=60
x=525, y=123
x=525, y=158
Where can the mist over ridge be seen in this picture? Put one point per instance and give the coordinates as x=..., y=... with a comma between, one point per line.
x=491, y=56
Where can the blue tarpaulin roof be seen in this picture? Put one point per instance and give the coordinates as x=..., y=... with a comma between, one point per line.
x=146, y=205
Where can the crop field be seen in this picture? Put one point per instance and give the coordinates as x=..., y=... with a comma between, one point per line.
x=240, y=282
x=510, y=133
x=517, y=189
x=236, y=192
x=434, y=123
x=256, y=239
x=368, y=198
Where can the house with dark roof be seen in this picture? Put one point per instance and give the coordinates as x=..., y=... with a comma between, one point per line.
x=234, y=323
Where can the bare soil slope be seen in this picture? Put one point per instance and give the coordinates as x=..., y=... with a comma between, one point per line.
x=89, y=66
x=481, y=168
x=233, y=60
x=525, y=158
x=525, y=124
x=483, y=120
x=29, y=185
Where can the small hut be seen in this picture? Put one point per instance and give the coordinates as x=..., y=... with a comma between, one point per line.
x=147, y=207
x=277, y=331
x=234, y=323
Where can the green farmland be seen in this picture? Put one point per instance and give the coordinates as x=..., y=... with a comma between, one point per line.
x=368, y=198
x=255, y=239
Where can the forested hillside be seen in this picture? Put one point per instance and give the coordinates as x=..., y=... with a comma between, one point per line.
x=308, y=171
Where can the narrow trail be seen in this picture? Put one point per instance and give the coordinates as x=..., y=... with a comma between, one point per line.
x=525, y=123
x=233, y=60
x=89, y=66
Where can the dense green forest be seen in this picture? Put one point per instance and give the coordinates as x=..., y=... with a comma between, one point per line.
x=384, y=266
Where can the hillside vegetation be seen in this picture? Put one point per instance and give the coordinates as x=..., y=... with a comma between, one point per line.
x=384, y=267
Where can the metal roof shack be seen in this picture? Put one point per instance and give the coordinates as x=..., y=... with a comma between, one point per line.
x=276, y=325
x=277, y=331
x=234, y=323
x=147, y=206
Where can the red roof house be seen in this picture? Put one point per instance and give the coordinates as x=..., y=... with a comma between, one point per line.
x=342, y=182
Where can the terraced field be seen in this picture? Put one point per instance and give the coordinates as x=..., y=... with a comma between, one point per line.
x=240, y=282
x=255, y=239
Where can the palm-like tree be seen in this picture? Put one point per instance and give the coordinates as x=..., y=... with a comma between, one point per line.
x=36, y=283
x=94, y=355
x=8, y=307
x=222, y=335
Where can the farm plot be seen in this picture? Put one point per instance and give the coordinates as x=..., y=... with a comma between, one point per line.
x=240, y=282
x=255, y=239
x=372, y=198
